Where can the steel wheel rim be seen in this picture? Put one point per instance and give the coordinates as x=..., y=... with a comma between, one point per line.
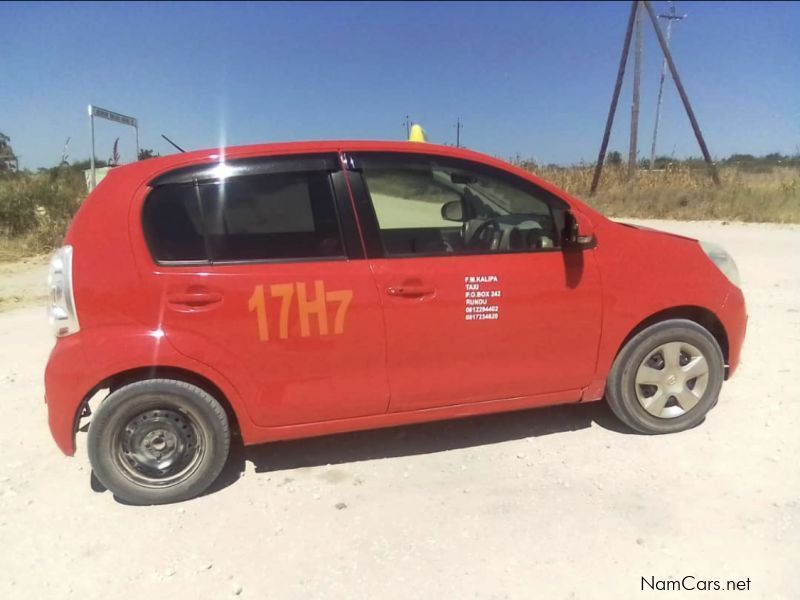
x=159, y=447
x=671, y=379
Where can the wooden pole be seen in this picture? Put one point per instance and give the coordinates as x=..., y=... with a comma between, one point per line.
x=637, y=76
x=684, y=98
x=672, y=16
x=626, y=45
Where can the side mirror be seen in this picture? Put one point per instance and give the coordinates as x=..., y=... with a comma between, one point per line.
x=579, y=231
x=453, y=211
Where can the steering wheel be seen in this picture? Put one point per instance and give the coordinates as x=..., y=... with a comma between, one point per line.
x=487, y=236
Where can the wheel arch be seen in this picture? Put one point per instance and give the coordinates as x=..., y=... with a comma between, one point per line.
x=702, y=316
x=122, y=378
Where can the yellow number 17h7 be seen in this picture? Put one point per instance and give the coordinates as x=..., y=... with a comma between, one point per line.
x=307, y=307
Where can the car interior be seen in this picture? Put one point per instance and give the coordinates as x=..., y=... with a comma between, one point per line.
x=439, y=211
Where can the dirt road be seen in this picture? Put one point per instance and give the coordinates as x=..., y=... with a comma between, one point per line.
x=553, y=503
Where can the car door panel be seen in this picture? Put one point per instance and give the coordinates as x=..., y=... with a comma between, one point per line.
x=308, y=335
x=471, y=325
x=283, y=302
x=539, y=335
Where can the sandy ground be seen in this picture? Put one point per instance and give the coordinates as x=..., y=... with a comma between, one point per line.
x=553, y=503
x=23, y=283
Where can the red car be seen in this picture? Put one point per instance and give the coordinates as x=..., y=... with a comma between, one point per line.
x=293, y=290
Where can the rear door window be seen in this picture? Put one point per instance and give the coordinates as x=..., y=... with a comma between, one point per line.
x=271, y=217
x=254, y=217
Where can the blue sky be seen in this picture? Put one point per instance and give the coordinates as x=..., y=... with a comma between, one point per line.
x=529, y=79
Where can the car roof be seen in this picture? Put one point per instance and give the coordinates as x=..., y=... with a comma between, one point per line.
x=161, y=164
x=144, y=171
x=148, y=169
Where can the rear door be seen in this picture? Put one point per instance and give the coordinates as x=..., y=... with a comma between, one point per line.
x=483, y=308
x=263, y=278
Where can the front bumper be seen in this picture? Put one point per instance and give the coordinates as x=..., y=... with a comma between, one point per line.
x=733, y=315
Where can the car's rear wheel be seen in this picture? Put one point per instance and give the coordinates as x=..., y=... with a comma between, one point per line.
x=666, y=378
x=158, y=441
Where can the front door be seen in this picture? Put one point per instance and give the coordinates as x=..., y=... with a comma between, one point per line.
x=479, y=299
x=263, y=279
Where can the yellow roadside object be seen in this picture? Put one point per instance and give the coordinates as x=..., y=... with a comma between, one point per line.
x=417, y=134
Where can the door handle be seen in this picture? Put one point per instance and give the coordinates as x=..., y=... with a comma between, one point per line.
x=194, y=299
x=410, y=291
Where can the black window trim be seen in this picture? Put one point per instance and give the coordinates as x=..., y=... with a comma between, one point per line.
x=195, y=175
x=369, y=220
x=262, y=165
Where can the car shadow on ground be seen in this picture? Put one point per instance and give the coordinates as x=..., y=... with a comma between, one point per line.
x=408, y=440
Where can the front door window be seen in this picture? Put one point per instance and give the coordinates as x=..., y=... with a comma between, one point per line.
x=431, y=207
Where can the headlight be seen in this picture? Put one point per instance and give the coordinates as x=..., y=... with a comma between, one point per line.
x=720, y=257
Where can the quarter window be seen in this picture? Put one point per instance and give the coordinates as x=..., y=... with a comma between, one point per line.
x=433, y=206
x=173, y=224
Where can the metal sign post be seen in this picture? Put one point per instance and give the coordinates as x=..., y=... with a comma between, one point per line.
x=110, y=115
x=91, y=158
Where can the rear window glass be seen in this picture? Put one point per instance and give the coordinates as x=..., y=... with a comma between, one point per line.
x=254, y=217
x=277, y=216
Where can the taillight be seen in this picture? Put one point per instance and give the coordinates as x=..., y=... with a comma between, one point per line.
x=61, y=304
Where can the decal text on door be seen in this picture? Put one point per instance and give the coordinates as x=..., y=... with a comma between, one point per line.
x=299, y=310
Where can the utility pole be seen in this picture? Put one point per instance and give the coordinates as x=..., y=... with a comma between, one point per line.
x=671, y=17
x=458, y=132
x=601, y=156
x=712, y=170
x=408, y=127
x=637, y=76
x=673, y=70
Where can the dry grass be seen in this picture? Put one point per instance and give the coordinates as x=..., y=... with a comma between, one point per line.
x=41, y=242
x=35, y=209
x=770, y=195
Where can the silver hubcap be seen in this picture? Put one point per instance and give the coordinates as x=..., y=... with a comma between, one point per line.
x=671, y=380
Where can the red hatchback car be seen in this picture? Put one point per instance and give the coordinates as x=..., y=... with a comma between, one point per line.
x=294, y=290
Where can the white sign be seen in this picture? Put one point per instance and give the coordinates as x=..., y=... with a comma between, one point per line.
x=112, y=116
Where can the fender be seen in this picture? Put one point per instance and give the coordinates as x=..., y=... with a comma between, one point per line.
x=634, y=291
x=81, y=364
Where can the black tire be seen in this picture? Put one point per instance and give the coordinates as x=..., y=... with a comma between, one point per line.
x=621, y=391
x=158, y=441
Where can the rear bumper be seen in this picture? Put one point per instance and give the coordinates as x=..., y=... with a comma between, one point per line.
x=66, y=383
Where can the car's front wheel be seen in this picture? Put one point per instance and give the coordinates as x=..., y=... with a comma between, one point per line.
x=666, y=378
x=158, y=441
